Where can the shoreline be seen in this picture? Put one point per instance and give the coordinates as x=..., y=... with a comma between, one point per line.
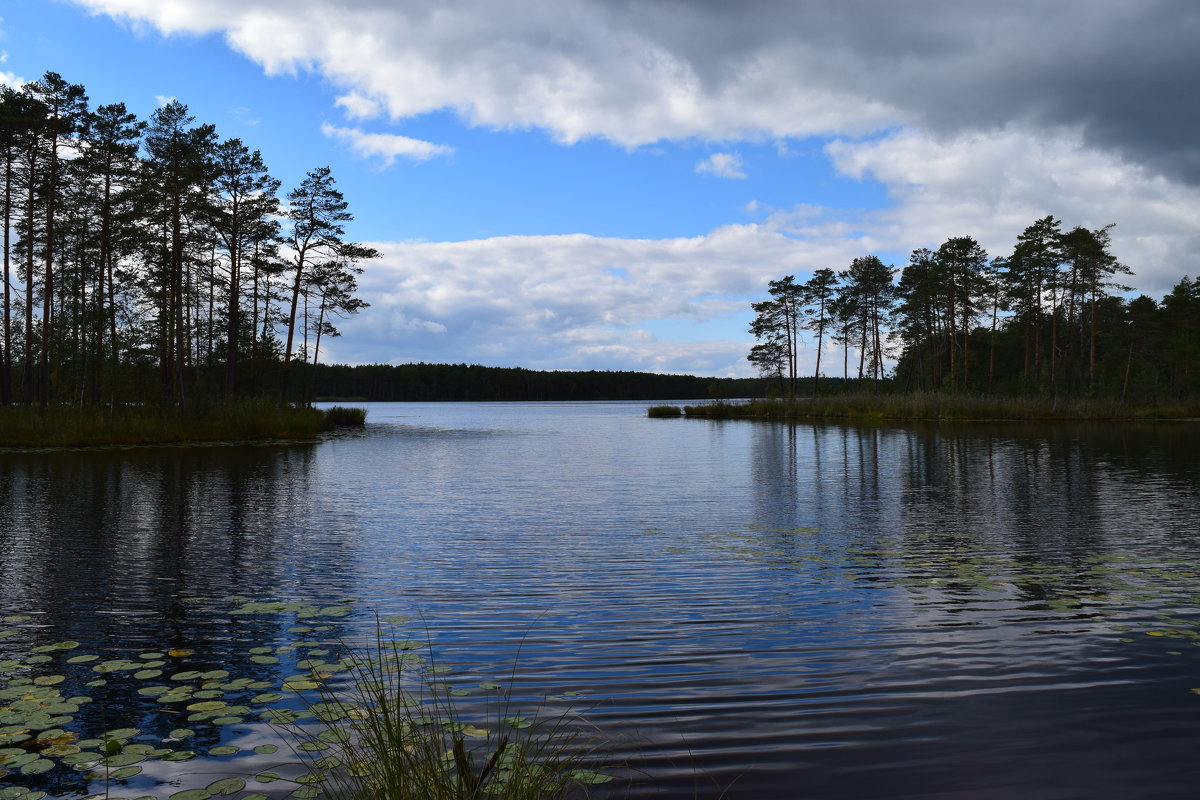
x=59, y=428
x=933, y=408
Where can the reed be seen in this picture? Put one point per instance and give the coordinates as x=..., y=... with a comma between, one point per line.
x=935, y=407
x=411, y=738
x=72, y=426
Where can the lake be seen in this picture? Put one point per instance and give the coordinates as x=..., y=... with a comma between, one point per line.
x=760, y=609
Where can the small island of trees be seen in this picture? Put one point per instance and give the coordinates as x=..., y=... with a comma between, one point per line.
x=1047, y=323
x=152, y=264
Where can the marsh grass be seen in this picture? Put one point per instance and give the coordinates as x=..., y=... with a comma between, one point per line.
x=392, y=730
x=72, y=426
x=936, y=407
x=343, y=417
x=664, y=411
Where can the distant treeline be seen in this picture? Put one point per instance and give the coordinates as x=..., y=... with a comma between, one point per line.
x=433, y=382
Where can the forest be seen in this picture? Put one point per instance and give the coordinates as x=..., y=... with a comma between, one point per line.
x=1049, y=319
x=151, y=262
x=434, y=382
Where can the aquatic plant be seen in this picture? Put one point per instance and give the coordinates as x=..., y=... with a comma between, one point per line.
x=372, y=722
x=409, y=736
x=72, y=426
x=664, y=411
x=939, y=407
x=343, y=417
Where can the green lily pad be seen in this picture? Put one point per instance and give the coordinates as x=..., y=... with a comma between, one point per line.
x=179, y=755
x=124, y=772
x=123, y=759
x=191, y=794
x=226, y=786
x=207, y=705
x=588, y=776
x=121, y=733
x=37, y=767
x=266, y=749
x=223, y=750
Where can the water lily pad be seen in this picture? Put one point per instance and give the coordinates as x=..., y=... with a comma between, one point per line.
x=180, y=652
x=124, y=772
x=301, y=685
x=588, y=776
x=182, y=733
x=37, y=767
x=179, y=755
x=266, y=777
x=207, y=705
x=266, y=749
x=146, y=674
x=228, y=720
x=121, y=733
x=123, y=759
x=314, y=747
x=49, y=680
x=191, y=794
x=265, y=659
x=226, y=786
x=223, y=750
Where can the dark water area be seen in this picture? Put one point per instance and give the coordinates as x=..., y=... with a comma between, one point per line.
x=764, y=610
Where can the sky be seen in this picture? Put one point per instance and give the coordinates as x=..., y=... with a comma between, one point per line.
x=609, y=184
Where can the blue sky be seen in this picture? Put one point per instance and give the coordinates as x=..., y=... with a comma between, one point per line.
x=589, y=185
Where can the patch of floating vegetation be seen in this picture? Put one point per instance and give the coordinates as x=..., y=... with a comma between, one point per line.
x=347, y=715
x=1118, y=593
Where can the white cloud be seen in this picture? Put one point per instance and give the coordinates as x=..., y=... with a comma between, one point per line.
x=573, y=301
x=992, y=185
x=358, y=106
x=386, y=146
x=577, y=68
x=165, y=100
x=722, y=165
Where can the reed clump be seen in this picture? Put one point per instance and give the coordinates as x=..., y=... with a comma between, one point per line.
x=391, y=728
x=343, y=417
x=664, y=411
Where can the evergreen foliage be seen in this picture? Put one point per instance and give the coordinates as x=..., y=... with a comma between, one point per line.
x=1048, y=320
x=145, y=261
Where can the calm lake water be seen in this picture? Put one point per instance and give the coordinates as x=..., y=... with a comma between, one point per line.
x=768, y=611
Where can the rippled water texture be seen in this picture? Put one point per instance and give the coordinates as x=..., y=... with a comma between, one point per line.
x=815, y=611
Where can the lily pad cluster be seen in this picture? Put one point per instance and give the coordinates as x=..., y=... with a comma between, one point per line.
x=321, y=699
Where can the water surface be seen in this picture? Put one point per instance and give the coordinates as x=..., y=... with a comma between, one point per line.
x=764, y=610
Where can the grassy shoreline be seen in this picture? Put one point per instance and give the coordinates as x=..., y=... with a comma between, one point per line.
x=931, y=407
x=70, y=426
